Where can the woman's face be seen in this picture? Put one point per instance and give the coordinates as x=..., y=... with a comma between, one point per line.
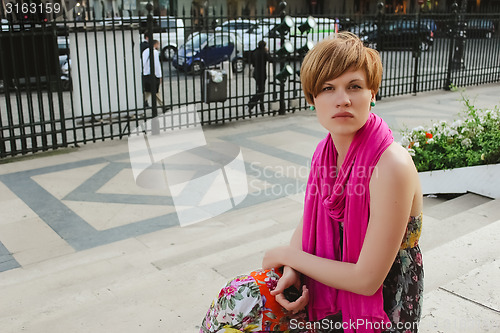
x=343, y=105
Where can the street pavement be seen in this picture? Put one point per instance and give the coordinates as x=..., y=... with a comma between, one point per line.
x=83, y=248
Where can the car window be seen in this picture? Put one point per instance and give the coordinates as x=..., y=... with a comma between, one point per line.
x=196, y=42
x=168, y=24
x=244, y=26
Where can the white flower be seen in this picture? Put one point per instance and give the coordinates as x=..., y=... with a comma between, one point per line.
x=451, y=132
x=417, y=144
x=457, y=123
x=430, y=141
x=405, y=141
x=411, y=152
x=466, y=142
x=494, y=114
x=418, y=129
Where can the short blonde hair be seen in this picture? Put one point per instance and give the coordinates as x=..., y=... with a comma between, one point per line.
x=331, y=57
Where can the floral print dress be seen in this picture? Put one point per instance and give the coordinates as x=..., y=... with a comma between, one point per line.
x=245, y=304
x=404, y=285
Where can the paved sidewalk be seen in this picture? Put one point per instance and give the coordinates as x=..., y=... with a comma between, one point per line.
x=84, y=249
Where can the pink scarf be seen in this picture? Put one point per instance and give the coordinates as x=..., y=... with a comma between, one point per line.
x=331, y=199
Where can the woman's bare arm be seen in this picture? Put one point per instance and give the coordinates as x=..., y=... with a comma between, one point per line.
x=392, y=189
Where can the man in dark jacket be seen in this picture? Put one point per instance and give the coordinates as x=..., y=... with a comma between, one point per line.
x=145, y=43
x=259, y=60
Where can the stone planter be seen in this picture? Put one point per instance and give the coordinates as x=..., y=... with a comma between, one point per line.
x=481, y=179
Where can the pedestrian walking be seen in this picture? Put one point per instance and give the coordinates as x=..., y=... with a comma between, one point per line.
x=259, y=59
x=151, y=81
x=145, y=43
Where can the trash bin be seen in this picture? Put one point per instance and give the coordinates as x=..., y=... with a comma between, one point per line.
x=215, y=89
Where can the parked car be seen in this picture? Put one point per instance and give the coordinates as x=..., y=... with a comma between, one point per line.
x=370, y=25
x=430, y=23
x=266, y=29
x=400, y=35
x=479, y=28
x=166, y=29
x=203, y=49
x=65, y=64
x=255, y=34
x=363, y=28
x=237, y=26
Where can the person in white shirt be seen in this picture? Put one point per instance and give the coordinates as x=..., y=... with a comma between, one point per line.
x=151, y=83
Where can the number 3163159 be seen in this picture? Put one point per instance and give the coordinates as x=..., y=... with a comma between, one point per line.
x=32, y=8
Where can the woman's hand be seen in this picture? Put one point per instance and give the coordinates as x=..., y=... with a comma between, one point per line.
x=275, y=258
x=296, y=306
x=290, y=278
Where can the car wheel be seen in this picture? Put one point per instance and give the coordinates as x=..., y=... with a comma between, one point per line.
x=424, y=46
x=238, y=65
x=196, y=68
x=168, y=53
x=489, y=34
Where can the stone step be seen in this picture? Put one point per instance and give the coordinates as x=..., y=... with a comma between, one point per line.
x=459, y=256
x=436, y=232
x=455, y=206
x=433, y=200
x=470, y=303
x=178, y=243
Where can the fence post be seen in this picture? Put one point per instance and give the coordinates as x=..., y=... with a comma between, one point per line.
x=453, y=36
x=380, y=24
x=458, y=61
x=416, y=52
x=282, y=6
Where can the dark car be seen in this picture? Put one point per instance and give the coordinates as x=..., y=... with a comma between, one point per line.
x=363, y=28
x=399, y=35
x=202, y=50
x=479, y=28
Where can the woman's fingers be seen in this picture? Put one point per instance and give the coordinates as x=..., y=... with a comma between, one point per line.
x=283, y=283
x=294, y=307
x=280, y=298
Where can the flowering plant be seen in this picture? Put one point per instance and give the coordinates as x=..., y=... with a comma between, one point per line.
x=472, y=140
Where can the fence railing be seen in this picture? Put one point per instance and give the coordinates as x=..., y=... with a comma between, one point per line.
x=70, y=81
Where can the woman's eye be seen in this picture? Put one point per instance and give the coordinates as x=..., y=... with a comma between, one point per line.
x=327, y=88
x=355, y=86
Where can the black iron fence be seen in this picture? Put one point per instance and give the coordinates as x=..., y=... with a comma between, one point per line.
x=79, y=79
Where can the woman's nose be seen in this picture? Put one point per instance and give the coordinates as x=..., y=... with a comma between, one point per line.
x=342, y=98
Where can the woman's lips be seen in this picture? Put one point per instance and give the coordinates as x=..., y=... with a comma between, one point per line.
x=342, y=115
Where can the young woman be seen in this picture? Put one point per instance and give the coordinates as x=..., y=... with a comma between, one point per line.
x=356, y=249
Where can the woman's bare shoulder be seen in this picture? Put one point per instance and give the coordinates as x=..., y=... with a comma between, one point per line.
x=396, y=164
x=396, y=157
x=395, y=170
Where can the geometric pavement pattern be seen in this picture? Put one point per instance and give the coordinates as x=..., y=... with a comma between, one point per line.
x=81, y=235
